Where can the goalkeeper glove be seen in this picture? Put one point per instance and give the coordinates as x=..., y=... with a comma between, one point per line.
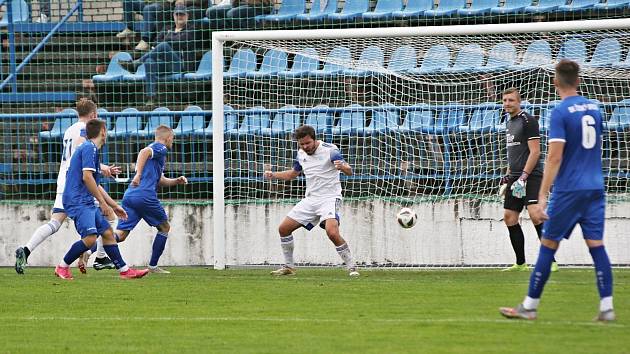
x=519, y=188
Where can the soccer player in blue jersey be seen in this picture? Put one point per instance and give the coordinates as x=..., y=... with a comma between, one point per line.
x=81, y=189
x=574, y=167
x=140, y=200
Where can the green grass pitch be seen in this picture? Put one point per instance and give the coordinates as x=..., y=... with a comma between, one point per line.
x=317, y=311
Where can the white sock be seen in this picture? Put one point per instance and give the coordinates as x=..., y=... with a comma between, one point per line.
x=42, y=233
x=100, y=250
x=287, y=249
x=605, y=304
x=123, y=269
x=346, y=256
x=531, y=304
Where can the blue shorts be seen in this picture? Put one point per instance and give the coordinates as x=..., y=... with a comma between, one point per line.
x=88, y=220
x=149, y=209
x=566, y=209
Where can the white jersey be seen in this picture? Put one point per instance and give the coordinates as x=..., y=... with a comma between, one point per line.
x=70, y=144
x=322, y=178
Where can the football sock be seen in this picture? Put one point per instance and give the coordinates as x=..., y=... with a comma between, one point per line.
x=287, y=250
x=158, y=247
x=518, y=242
x=539, y=228
x=42, y=233
x=92, y=249
x=603, y=274
x=540, y=274
x=100, y=251
x=74, y=253
x=344, y=253
x=114, y=254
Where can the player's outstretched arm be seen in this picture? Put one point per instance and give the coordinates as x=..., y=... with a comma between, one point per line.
x=169, y=182
x=283, y=175
x=144, y=155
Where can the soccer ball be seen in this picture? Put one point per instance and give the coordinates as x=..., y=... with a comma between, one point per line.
x=407, y=218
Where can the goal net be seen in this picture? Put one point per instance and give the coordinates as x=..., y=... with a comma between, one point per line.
x=417, y=114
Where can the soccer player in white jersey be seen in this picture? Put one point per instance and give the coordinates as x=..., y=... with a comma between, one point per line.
x=72, y=138
x=321, y=163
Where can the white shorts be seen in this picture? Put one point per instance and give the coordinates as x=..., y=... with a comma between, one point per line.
x=311, y=211
x=58, y=207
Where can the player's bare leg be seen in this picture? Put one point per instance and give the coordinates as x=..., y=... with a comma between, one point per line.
x=41, y=234
x=286, y=228
x=332, y=230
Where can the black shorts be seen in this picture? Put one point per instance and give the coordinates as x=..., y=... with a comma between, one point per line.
x=531, y=194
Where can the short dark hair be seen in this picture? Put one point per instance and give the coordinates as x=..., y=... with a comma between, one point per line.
x=85, y=106
x=94, y=127
x=513, y=90
x=304, y=131
x=567, y=73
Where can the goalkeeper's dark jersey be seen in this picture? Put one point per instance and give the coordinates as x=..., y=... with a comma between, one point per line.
x=520, y=129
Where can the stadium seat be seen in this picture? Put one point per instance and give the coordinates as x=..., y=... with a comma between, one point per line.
x=449, y=118
x=414, y=8
x=21, y=13
x=620, y=117
x=403, y=60
x=537, y=53
x=304, y=62
x=502, y=55
x=383, y=10
x=139, y=75
x=60, y=125
x=612, y=5
x=351, y=10
x=156, y=121
x=283, y=123
x=371, y=57
x=204, y=71
x=419, y=119
x=438, y=57
x=230, y=123
x=607, y=53
x=256, y=119
x=384, y=120
x=126, y=125
x=318, y=13
x=624, y=64
x=114, y=71
x=446, y=8
x=288, y=10
x=190, y=124
x=578, y=5
x=244, y=61
x=469, y=58
x=511, y=7
x=107, y=120
x=333, y=63
x=478, y=8
x=351, y=121
x=321, y=121
x=573, y=49
x=273, y=62
x=544, y=6
x=484, y=119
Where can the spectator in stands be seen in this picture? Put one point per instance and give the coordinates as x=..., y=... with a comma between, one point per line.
x=196, y=8
x=240, y=13
x=175, y=52
x=154, y=16
x=44, y=10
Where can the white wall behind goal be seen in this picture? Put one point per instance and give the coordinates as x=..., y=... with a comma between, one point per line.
x=453, y=233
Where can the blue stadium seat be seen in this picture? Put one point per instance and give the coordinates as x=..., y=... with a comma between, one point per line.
x=190, y=124
x=449, y=118
x=256, y=119
x=620, y=117
x=403, y=60
x=371, y=57
x=139, y=75
x=126, y=125
x=274, y=61
x=385, y=120
x=624, y=64
x=573, y=49
x=414, y=8
x=288, y=10
x=511, y=7
x=351, y=10
x=578, y=5
x=156, y=121
x=114, y=71
x=333, y=63
x=438, y=57
x=446, y=8
x=537, y=53
x=484, y=119
x=321, y=121
x=304, y=62
x=383, y=10
x=107, y=120
x=244, y=61
x=544, y=6
x=283, y=123
x=502, y=55
x=351, y=121
x=21, y=13
x=318, y=13
x=230, y=123
x=478, y=8
x=418, y=120
x=204, y=71
x=612, y=5
x=469, y=58
x=60, y=125
x=607, y=53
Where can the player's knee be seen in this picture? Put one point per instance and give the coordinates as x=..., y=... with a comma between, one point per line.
x=594, y=243
x=164, y=227
x=510, y=218
x=89, y=241
x=120, y=235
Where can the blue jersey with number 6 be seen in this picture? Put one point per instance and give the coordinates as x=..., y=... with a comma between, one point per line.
x=577, y=122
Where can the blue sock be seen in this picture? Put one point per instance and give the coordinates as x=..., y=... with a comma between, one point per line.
x=541, y=272
x=114, y=254
x=93, y=248
x=158, y=247
x=75, y=252
x=603, y=271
